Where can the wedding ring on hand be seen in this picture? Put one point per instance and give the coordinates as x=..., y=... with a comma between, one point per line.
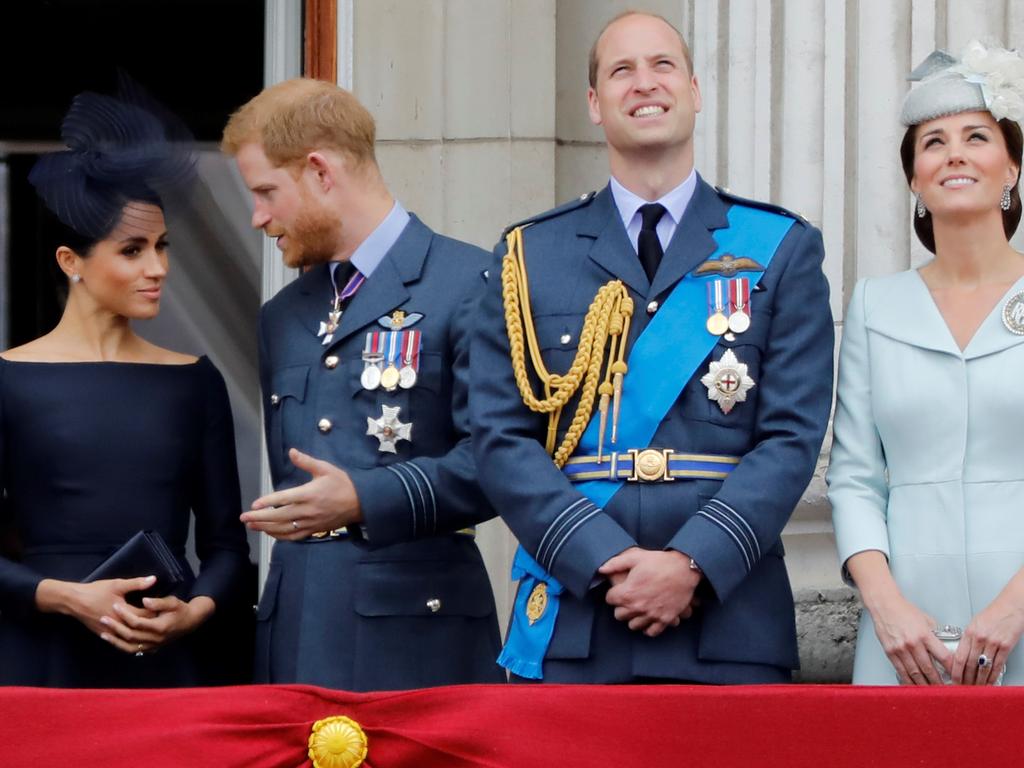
x=984, y=662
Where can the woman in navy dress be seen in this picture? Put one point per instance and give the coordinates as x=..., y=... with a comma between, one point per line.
x=103, y=434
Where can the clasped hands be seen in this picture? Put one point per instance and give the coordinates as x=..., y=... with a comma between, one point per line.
x=907, y=635
x=651, y=589
x=102, y=608
x=328, y=501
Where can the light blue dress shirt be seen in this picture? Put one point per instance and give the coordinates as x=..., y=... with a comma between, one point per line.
x=374, y=248
x=675, y=202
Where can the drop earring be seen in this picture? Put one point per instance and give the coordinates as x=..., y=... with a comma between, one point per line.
x=1004, y=201
x=921, y=210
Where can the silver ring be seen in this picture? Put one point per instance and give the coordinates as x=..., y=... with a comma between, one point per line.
x=984, y=662
x=295, y=525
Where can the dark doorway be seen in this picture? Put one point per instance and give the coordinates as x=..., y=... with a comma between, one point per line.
x=200, y=58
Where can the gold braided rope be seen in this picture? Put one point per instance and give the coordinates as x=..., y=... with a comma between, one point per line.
x=607, y=318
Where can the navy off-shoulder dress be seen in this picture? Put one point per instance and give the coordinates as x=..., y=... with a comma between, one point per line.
x=91, y=454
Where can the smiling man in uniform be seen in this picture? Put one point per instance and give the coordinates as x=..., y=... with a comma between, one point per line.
x=656, y=360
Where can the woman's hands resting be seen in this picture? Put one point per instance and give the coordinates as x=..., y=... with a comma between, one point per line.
x=102, y=608
x=904, y=630
x=994, y=632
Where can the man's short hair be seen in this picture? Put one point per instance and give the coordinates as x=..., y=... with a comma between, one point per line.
x=293, y=118
x=593, y=49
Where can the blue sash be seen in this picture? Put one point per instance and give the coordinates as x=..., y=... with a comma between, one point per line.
x=677, y=332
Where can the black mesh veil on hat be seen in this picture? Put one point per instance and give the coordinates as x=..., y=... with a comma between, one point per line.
x=122, y=149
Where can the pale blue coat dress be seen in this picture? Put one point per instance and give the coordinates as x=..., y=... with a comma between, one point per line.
x=928, y=458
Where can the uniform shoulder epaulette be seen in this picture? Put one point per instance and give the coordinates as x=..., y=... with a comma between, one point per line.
x=761, y=204
x=572, y=205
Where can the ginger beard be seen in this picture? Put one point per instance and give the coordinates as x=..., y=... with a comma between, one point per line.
x=315, y=236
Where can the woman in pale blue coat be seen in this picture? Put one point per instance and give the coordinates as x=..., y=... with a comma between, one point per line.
x=927, y=472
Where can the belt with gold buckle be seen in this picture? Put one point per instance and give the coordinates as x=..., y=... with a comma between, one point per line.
x=650, y=465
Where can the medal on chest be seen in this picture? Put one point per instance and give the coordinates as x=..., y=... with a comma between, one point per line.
x=727, y=381
x=328, y=327
x=391, y=358
x=388, y=429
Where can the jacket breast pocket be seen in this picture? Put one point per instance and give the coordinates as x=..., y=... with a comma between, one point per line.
x=428, y=588
x=558, y=337
x=287, y=396
x=724, y=389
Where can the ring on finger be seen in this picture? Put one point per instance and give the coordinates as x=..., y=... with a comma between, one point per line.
x=295, y=525
x=138, y=650
x=984, y=662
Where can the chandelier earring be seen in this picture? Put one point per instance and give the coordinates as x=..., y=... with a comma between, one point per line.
x=1004, y=201
x=921, y=210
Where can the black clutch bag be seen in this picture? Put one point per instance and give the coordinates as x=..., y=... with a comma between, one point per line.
x=144, y=554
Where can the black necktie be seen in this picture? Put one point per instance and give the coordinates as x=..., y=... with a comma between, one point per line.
x=342, y=274
x=648, y=246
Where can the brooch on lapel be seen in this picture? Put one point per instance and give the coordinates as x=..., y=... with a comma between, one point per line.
x=1013, y=314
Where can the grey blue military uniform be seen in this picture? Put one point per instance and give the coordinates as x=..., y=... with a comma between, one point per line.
x=744, y=628
x=402, y=601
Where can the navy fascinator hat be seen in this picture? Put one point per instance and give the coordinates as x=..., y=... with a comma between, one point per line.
x=120, y=150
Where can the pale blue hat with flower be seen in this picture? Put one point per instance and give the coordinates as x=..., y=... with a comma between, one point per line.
x=984, y=79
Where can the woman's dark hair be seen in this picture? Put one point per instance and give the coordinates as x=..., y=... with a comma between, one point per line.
x=120, y=150
x=1014, y=147
x=57, y=233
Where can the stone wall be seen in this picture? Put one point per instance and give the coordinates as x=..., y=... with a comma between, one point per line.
x=482, y=120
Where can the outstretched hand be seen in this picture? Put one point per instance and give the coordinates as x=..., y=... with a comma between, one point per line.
x=326, y=502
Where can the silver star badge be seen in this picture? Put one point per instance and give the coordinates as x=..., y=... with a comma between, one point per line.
x=727, y=381
x=388, y=429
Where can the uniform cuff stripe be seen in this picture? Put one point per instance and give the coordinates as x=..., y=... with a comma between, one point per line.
x=408, y=493
x=554, y=555
x=430, y=489
x=558, y=536
x=736, y=517
x=739, y=544
x=419, y=491
x=729, y=523
x=554, y=523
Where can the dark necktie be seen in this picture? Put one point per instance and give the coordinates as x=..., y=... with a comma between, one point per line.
x=342, y=274
x=648, y=246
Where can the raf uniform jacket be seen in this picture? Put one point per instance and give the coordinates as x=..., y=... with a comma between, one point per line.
x=744, y=629
x=402, y=601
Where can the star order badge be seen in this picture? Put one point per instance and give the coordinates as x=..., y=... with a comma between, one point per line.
x=727, y=381
x=388, y=429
